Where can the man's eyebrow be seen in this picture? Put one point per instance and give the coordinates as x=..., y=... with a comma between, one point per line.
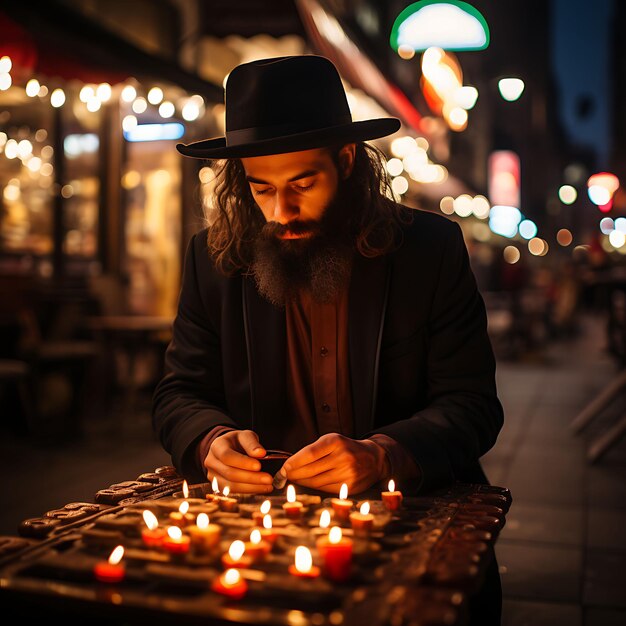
x=305, y=174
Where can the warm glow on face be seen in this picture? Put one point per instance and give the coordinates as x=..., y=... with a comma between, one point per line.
x=226, y=491
x=214, y=485
x=232, y=576
x=184, y=507
x=325, y=518
x=392, y=485
x=291, y=493
x=116, y=555
x=236, y=550
x=202, y=521
x=267, y=521
x=343, y=492
x=334, y=536
x=303, y=559
x=265, y=507
x=365, y=508
x=150, y=519
x=174, y=532
x=185, y=489
x=255, y=536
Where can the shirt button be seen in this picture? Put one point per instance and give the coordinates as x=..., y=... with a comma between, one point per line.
x=324, y=351
x=326, y=407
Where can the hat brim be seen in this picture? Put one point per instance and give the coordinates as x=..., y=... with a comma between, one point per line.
x=355, y=131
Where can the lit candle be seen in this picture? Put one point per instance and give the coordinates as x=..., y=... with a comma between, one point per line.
x=267, y=532
x=182, y=517
x=336, y=553
x=324, y=523
x=204, y=536
x=175, y=542
x=341, y=505
x=362, y=521
x=292, y=508
x=257, y=547
x=303, y=564
x=392, y=499
x=216, y=491
x=230, y=583
x=112, y=570
x=236, y=557
x=152, y=534
x=226, y=503
x=264, y=509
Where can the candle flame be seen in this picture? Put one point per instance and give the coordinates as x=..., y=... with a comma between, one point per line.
x=236, y=550
x=265, y=507
x=185, y=489
x=232, y=576
x=226, y=491
x=267, y=521
x=343, y=492
x=303, y=559
x=255, y=536
x=291, y=493
x=116, y=555
x=392, y=485
x=325, y=518
x=214, y=485
x=334, y=536
x=365, y=508
x=150, y=519
x=202, y=521
x=184, y=507
x=174, y=532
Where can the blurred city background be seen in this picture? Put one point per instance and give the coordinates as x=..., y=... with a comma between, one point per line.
x=512, y=125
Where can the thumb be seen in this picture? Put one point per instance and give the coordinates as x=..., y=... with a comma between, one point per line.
x=249, y=441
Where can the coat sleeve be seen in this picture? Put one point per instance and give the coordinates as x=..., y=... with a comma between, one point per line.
x=188, y=401
x=463, y=415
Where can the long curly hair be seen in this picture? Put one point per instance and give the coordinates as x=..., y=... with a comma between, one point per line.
x=234, y=220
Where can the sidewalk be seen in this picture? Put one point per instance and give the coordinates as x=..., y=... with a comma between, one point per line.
x=562, y=553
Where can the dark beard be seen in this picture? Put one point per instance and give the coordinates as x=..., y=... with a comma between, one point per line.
x=319, y=263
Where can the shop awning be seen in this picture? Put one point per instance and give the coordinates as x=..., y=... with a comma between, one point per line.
x=48, y=38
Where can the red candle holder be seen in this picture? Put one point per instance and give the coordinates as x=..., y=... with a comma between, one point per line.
x=341, y=508
x=336, y=557
x=176, y=545
x=231, y=584
x=293, y=510
x=153, y=537
x=107, y=572
x=313, y=572
x=243, y=562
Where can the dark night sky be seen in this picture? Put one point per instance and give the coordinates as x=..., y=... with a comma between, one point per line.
x=581, y=39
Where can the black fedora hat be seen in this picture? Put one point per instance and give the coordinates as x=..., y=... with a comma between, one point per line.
x=286, y=104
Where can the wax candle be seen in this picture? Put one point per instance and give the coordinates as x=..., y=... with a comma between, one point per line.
x=204, y=535
x=230, y=583
x=112, y=570
x=227, y=503
x=153, y=534
x=303, y=564
x=341, y=505
x=267, y=532
x=362, y=521
x=264, y=509
x=392, y=499
x=336, y=554
x=211, y=497
x=175, y=542
x=324, y=523
x=292, y=508
x=236, y=557
x=257, y=548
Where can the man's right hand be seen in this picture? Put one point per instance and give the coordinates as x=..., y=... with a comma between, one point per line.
x=233, y=460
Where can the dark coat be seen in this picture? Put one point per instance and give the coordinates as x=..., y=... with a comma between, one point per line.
x=422, y=369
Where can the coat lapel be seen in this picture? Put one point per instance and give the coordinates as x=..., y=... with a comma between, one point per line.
x=369, y=288
x=266, y=346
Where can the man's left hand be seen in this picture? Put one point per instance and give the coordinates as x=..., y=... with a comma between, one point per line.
x=333, y=460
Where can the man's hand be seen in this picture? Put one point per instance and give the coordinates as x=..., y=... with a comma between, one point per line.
x=231, y=459
x=333, y=460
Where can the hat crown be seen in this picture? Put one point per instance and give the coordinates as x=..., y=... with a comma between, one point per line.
x=283, y=95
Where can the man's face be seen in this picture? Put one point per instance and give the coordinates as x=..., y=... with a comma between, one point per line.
x=293, y=190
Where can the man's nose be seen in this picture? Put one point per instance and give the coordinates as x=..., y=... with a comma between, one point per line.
x=285, y=209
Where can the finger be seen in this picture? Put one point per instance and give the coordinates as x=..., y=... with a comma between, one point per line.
x=249, y=441
x=323, y=446
x=237, y=487
x=237, y=475
x=310, y=470
x=231, y=457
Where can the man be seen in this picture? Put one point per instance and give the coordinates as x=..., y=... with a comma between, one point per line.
x=317, y=315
